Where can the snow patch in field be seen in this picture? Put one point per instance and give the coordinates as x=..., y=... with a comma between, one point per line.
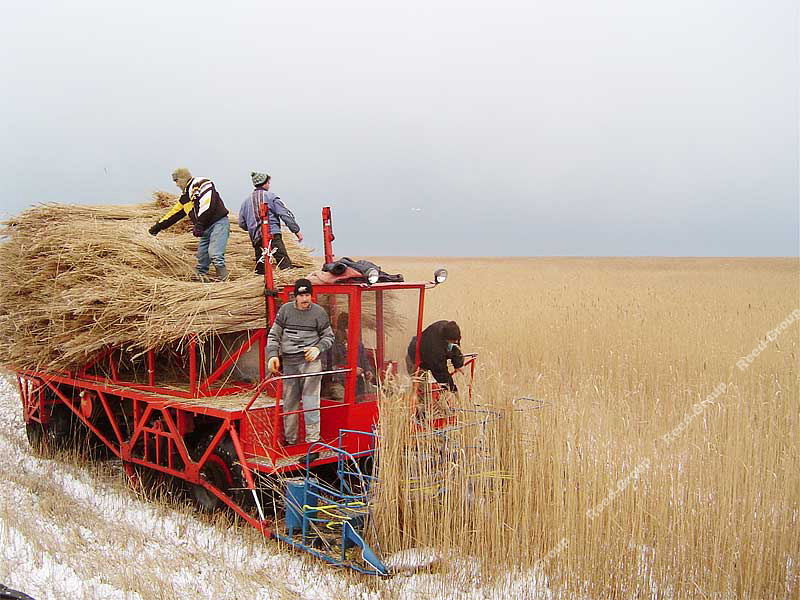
x=412, y=559
x=35, y=572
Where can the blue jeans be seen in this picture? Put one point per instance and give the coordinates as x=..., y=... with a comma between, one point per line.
x=211, y=248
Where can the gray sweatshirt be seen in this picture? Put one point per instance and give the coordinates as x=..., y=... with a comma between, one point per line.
x=295, y=330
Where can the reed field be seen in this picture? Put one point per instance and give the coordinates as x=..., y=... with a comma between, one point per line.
x=612, y=448
x=633, y=432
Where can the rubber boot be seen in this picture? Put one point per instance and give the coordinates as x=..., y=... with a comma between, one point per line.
x=222, y=273
x=201, y=277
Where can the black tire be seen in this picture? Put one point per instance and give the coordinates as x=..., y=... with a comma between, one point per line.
x=367, y=464
x=7, y=593
x=358, y=481
x=57, y=434
x=223, y=472
x=35, y=433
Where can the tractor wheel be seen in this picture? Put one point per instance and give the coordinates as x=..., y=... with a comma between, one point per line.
x=35, y=433
x=55, y=435
x=222, y=471
x=7, y=593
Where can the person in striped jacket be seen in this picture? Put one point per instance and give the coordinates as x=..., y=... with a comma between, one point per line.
x=203, y=204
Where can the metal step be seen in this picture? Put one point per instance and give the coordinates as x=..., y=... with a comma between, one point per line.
x=285, y=461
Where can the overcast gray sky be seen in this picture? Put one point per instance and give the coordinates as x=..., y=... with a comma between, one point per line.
x=615, y=127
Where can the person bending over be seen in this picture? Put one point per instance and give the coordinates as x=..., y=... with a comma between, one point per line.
x=438, y=344
x=203, y=204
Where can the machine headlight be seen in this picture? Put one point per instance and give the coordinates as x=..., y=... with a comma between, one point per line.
x=440, y=275
x=373, y=276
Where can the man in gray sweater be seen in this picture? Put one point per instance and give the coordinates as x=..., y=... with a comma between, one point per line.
x=300, y=333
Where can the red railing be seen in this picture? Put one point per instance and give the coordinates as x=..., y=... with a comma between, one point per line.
x=278, y=380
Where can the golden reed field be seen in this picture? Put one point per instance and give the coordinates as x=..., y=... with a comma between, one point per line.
x=634, y=430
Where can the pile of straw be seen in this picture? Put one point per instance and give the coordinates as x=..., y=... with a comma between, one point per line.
x=76, y=279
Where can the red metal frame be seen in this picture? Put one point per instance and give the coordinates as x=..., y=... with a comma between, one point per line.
x=269, y=283
x=327, y=233
x=31, y=392
x=153, y=400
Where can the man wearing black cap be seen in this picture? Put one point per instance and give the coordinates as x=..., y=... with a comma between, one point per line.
x=301, y=331
x=438, y=344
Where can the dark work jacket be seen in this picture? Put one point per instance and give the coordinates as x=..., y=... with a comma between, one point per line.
x=200, y=201
x=433, y=354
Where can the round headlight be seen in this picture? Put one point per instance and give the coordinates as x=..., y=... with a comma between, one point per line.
x=373, y=276
x=440, y=275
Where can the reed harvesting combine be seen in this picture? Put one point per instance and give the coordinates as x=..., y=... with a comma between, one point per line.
x=112, y=343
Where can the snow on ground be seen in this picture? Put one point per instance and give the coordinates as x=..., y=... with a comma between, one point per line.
x=68, y=532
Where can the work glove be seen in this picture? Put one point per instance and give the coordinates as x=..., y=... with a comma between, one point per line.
x=197, y=230
x=274, y=364
x=154, y=229
x=311, y=353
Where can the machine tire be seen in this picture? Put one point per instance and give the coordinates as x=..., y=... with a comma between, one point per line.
x=7, y=593
x=55, y=435
x=35, y=434
x=222, y=471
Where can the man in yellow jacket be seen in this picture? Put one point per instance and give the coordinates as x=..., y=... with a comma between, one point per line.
x=203, y=204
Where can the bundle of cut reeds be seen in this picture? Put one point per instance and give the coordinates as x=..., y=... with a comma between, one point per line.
x=78, y=278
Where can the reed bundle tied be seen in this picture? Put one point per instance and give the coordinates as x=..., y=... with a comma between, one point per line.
x=78, y=278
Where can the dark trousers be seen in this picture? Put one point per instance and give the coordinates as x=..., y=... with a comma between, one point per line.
x=281, y=257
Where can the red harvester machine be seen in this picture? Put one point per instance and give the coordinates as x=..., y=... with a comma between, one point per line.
x=187, y=412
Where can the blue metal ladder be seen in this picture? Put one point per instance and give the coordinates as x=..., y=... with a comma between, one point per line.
x=312, y=505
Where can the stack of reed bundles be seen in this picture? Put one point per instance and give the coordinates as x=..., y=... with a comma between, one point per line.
x=77, y=279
